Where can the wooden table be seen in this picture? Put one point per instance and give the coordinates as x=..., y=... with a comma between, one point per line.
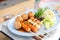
x=13, y=7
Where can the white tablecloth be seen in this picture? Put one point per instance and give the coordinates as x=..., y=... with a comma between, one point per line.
x=54, y=36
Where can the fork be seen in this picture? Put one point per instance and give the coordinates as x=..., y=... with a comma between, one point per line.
x=39, y=37
x=36, y=37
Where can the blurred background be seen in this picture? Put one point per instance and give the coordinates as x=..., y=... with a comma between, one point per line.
x=10, y=8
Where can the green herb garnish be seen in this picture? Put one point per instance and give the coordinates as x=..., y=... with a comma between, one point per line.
x=40, y=12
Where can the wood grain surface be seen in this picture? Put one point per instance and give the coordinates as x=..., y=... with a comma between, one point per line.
x=16, y=9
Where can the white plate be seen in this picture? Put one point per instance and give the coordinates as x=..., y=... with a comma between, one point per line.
x=13, y=30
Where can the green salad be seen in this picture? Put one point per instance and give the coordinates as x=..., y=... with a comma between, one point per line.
x=40, y=12
x=48, y=15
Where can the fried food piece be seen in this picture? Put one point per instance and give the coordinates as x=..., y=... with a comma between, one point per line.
x=30, y=14
x=37, y=26
x=38, y=22
x=35, y=23
x=19, y=19
x=22, y=30
x=34, y=29
x=24, y=16
x=32, y=18
x=17, y=25
x=25, y=27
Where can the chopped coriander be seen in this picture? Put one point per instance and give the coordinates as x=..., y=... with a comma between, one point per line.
x=40, y=12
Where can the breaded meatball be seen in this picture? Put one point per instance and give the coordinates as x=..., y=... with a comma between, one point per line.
x=30, y=14
x=19, y=19
x=24, y=16
x=17, y=25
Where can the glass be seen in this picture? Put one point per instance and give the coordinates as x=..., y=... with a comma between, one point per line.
x=37, y=3
x=7, y=17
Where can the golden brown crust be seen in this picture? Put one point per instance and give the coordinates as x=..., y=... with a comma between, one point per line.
x=19, y=19
x=25, y=27
x=24, y=24
x=34, y=29
x=17, y=25
x=30, y=14
x=24, y=16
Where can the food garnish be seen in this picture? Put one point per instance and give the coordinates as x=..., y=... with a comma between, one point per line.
x=46, y=16
x=39, y=13
x=49, y=19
